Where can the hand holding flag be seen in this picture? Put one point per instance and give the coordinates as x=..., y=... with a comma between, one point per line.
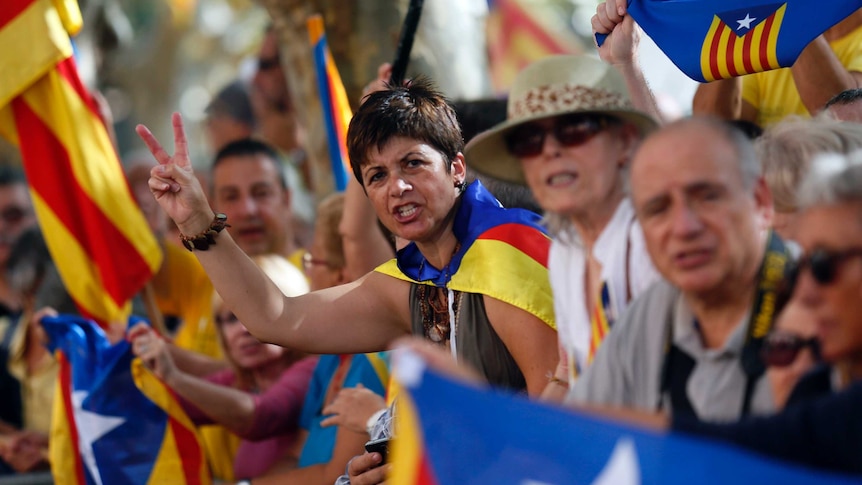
x=173, y=182
x=720, y=39
x=148, y=346
x=618, y=30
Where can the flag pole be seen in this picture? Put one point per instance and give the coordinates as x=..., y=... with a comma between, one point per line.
x=157, y=319
x=405, y=42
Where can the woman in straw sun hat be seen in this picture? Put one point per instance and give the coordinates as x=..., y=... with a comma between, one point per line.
x=570, y=133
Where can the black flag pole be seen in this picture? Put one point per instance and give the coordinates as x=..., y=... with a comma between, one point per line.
x=405, y=42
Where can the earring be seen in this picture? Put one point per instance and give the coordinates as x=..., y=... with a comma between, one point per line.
x=460, y=186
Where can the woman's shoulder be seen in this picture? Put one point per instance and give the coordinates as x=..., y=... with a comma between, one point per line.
x=815, y=383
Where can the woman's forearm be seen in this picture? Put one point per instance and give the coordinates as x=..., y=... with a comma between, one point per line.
x=229, y=407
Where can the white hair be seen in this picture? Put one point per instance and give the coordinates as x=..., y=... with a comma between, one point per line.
x=832, y=178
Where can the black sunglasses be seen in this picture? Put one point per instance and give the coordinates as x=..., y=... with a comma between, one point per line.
x=570, y=130
x=780, y=349
x=823, y=264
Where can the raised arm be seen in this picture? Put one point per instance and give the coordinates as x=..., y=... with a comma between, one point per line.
x=819, y=75
x=363, y=316
x=722, y=98
x=620, y=51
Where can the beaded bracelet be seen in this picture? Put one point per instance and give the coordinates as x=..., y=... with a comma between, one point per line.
x=203, y=240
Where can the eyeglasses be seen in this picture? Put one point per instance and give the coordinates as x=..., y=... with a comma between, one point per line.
x=308, y=261
x=571, y=130
x=823, y=264
x=13, y=214
x=780, y=349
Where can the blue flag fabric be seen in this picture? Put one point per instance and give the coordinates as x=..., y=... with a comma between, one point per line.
x=719, y=39
x=473, y=436
x=107, y=431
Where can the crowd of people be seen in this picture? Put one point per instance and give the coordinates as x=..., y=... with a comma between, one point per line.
x=698, y=275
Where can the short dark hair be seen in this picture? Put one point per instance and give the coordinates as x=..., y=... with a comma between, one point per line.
x=414, y=110
x=845, y=97
x=233, y=102
x=11, y=175
x=751, y=129
x=249, y=147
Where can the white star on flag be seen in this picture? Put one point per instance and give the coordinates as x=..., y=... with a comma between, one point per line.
x=91, y=427
x=746, y=22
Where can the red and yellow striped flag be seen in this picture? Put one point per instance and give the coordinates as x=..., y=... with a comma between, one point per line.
x=745, y=48
x=100, y=241
x=333, y=100
x=517, y=36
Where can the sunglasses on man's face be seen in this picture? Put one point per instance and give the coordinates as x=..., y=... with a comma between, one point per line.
x=780, y=349
x=570, y=131
x=822, y=263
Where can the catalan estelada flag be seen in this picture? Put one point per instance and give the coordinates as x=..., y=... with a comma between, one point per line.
x=517, y=37
x=600, y=323
x=114, y=421
x=447, y=433
x=99, y=239
x=333, y=100
x=719, y=39
x=503, y=254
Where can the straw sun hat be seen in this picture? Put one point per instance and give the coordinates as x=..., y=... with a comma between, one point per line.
x=550, y=87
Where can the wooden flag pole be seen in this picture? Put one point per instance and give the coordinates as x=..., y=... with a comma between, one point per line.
x=157, y=320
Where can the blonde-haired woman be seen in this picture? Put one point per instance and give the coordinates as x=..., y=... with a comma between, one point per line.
x=259, y=397
x=786, y=150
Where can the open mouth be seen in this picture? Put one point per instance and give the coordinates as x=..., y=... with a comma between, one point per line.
x=561, y=179
x=406, y=212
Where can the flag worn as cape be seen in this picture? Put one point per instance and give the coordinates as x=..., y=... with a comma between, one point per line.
x=98, y=238
x=503, y=254
x=113, y=420
x=719, y=39
x=448, y=433
x=333, y=100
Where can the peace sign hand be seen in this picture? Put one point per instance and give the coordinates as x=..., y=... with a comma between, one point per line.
x=173, y=182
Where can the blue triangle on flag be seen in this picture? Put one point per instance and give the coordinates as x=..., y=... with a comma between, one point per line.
x=741, y=21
